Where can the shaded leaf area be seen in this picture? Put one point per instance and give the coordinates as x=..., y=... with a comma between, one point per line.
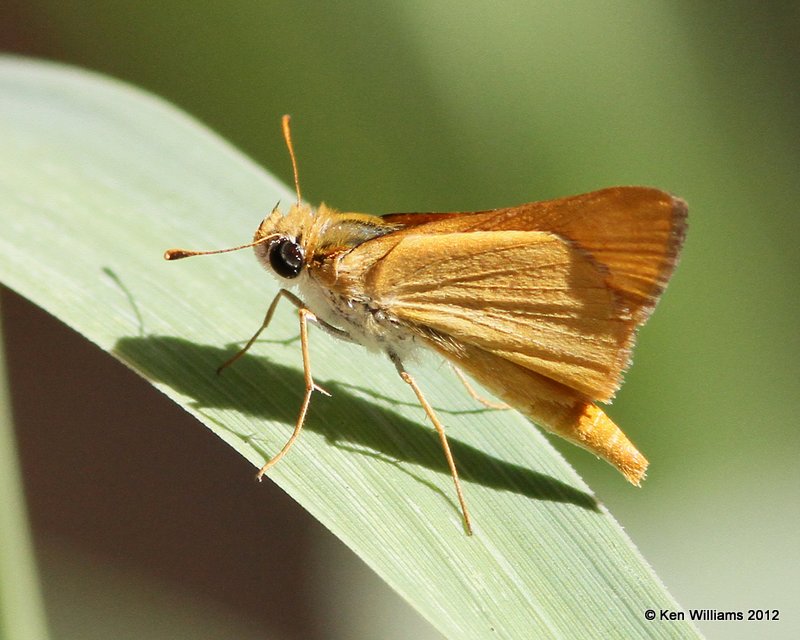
x=155, y=357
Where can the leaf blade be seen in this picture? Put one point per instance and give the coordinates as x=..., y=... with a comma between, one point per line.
x=97, y=179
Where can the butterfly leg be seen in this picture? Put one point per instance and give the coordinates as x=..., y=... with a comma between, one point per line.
x=305, y=316
x=297, y=302
x=474, y=394
x=442, y=437
x=267, y=319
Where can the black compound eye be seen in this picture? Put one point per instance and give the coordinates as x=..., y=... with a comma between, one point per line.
x=286, y=258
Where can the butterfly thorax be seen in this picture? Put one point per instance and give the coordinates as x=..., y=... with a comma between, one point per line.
x=334, y=289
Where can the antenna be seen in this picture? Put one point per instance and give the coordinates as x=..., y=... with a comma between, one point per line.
x=287, y=135
x=177, y=254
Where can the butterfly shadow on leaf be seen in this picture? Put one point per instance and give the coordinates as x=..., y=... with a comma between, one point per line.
x=259, y=387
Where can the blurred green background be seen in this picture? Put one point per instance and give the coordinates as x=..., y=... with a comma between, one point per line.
x=418, y=106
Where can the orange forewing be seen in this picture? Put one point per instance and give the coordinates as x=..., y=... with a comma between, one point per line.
x=526, y=296
x=634, y=232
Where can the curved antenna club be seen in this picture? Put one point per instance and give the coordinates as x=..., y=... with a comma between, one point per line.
x=287, y=135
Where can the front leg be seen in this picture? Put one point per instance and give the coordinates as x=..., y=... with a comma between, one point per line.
x=305, y=315
x=297, y=302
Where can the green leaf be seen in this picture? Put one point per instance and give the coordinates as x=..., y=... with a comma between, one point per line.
x=21, y=609
x=97, y=179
